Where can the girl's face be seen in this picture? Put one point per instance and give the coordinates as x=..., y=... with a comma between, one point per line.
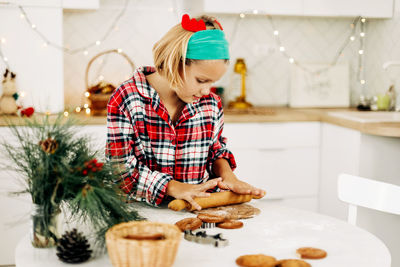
x=200, y=76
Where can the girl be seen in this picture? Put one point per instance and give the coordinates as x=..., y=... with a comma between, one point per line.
x=164, y=125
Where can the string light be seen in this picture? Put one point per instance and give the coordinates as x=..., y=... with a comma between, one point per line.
x=242, y=15
x=255, y=11
x=66, y=113
x=78, y=109
x=336, y=57
x=87, y=110
x=87, y=94
x=98, y=42
x=119, y=50
x=86, y=106
x=85, y=52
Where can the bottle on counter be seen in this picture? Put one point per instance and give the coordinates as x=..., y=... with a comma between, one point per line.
x=392, y=96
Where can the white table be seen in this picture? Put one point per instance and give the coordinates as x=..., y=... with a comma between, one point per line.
x=278, y=231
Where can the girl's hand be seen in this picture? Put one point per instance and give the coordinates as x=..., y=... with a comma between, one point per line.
x=230, y=182
x=188, y=192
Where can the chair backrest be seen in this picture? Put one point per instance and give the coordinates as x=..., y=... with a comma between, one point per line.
x=359, y=191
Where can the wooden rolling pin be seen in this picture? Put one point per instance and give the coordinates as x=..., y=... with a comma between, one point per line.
x=215, y=200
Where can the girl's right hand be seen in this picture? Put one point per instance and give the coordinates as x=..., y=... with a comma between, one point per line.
x=188, y=192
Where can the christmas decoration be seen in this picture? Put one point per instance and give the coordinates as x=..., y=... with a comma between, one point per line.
x=57, y=167
x=27, y=112
x=8, y=104
x=73, y=247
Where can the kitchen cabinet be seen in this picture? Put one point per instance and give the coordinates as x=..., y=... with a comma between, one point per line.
x=326, y=8
x=282, y=158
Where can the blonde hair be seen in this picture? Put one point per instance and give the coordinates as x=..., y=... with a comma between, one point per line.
x=169, y=53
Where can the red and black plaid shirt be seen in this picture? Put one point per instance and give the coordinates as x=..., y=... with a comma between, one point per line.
x=151, y=150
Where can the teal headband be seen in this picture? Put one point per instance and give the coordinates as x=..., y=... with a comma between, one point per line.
x=208, y=44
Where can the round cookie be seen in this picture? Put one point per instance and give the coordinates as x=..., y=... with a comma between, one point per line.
x=189, y=224
x=256, y=260
x=292, y=263
x=230, y=224
x=311, y=253
x=210, y=218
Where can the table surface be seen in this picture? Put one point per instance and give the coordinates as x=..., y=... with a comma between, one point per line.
x=278, y=231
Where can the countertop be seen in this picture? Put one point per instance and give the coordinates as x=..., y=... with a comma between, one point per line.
x=370, y=122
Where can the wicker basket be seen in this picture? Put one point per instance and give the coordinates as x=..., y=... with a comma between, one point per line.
x=98, y=102
x=125, y=251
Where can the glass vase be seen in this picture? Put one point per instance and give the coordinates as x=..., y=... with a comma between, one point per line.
x=45, y=226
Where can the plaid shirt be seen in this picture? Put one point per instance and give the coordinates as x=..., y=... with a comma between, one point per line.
x=150, y=150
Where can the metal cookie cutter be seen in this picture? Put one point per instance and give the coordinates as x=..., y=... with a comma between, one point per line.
x=208, y=225
x=202, y=238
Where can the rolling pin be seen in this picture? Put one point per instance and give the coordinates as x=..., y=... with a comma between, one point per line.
x=214, y=200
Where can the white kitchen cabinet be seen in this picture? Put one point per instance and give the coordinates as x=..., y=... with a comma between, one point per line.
x=282, y=158
x=326, y=8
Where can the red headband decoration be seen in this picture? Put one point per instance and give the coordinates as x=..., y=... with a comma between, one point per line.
x=192, y=25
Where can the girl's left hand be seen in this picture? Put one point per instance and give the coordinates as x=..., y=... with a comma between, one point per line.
x=232, y=183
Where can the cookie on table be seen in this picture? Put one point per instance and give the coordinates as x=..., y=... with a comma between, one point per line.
x=230, y=224
x=189, y=224
x=256, y=260
x=311, y=253
x=210, y=218
x=292, y=263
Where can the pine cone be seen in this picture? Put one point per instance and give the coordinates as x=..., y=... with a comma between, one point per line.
x=73, y=247
x=49, y=145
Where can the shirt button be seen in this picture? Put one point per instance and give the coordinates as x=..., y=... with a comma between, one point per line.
x=171, y=169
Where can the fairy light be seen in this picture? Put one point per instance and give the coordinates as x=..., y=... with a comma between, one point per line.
x=255, y=11
x=87, y=94
x=361, y=51
x=352, y=38
x=291, y=60
x=85, y=52
x=276, y=32
x=86, y=106
x=22, y=16
x=87, y=110
x=362, y=81
x=22, y=94
x=242, y=15
x=66, y=113
x=3, y=40
x=78, y=109
x=362, y=34
x=363, y=20
x=101, y=77
x=282, y=48
x=98, y=42
x=44, y=44
x=119, y=50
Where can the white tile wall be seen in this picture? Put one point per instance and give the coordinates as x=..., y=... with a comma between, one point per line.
x=309, y=40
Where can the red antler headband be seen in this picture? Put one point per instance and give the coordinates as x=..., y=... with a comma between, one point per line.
x=194, y=25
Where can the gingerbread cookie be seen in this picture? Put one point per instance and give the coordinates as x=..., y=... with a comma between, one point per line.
x=311, y=253
x=230, y=224
x=256, y=260
x=189, y=224
x=292, y=263
x=210, y=218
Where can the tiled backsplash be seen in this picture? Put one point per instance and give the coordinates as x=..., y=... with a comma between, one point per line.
x=307, y=39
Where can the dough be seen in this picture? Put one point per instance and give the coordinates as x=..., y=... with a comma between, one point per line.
x=232, y=212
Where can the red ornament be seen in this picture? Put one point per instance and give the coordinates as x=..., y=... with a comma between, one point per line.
x=27, y=111
x=84, y=172
x=192, y=25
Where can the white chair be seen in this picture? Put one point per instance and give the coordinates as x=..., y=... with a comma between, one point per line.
x=358, y=191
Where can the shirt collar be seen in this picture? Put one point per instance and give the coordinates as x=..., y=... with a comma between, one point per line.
x=144, y=89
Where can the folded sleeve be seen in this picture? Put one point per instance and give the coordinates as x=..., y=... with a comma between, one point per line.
x=136, y=179
x=218, y=148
